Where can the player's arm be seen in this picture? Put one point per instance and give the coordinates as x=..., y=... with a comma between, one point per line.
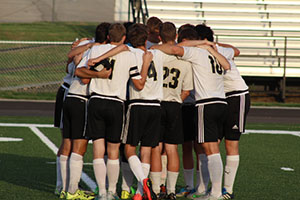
x=222, y=60
x=236, y=50
x=184, y=94
x=169, y=49
x=84, y=72
x=193, y=43
x=140, y=83
x=110, y=53
x=78, y=50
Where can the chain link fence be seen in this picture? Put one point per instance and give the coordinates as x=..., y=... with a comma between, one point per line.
x=32, y=66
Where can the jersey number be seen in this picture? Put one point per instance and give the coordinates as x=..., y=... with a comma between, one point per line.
x=215, y=66
x=111, y=64
x=176, y=73
x=152, y=72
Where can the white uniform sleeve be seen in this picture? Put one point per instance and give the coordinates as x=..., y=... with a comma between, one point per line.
x=228, y=53
x=188, y=83
x=190, y=54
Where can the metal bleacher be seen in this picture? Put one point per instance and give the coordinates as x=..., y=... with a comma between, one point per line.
x=267, y=32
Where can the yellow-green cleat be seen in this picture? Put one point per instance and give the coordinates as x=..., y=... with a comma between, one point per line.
x=62, y=195
x=79, y=195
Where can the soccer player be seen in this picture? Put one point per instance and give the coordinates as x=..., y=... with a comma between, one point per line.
x=143, y=115
x=208, y=67
x=74, y=120
x=58, y=112
x=106, y=107
x=238, y=100
x=178, y=81
x=153, y=24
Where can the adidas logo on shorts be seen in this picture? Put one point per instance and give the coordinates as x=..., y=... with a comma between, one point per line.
x=235, y=127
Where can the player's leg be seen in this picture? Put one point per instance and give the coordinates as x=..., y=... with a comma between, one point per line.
x=172, y=167
x=210, y=121
x=156, y=168
x=234, y=126
x=127, y=176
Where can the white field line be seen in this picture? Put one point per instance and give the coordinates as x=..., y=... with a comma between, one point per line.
x=85, y=178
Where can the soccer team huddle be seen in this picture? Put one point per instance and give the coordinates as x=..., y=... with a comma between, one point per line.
x=138, y=91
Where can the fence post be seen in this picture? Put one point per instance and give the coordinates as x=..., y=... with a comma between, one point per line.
x=284, y=71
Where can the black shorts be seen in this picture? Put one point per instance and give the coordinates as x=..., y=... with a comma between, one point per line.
x=105, y=118
x=143, y=121
x=171, y=123
x=58, y=111
x=210, y=118
x=189, y=122
x=235, y=120
x=75, y=117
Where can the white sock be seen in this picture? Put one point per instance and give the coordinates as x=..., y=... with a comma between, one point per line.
x=113, y=170
x=202, y=174
x=64, y=170
x=146, y=169
x=215, y=168
x=127, y=176
x=76, y=164
x=137, y=169
x=189, y=178
x=164, y=162
x=155, y=178
x=171, y=181
x=232, y=164
x=58, y=174
x=100, y=174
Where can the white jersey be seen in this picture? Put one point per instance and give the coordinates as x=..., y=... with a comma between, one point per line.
x=178, y=76
x=124, y=66
x=77, y=87
x=208, y=75
x=153, y=89
x=70, y=75
x=233, y=81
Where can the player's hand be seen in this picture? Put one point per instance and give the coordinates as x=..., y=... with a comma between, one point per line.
x=104, y=73
x=147, y=57
x=92, y=62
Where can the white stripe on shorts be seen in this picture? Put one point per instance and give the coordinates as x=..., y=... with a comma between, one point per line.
x=242, y=112
x=200, y=123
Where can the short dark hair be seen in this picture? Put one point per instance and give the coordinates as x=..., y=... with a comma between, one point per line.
x=101, y=32
x=116, y=32
x=185, y=26
x=167, y=32
x=127, y=25
x=188, y=34
x=137, y=35
x=153, y=24
x=204, y=32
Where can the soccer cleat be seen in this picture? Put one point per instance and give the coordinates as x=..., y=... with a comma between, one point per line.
x=163, y=192
x=125, y=195
x=101, y=197
x=196, y=195
x=209, y=197
x=137, y=197
x=96, y=191
x=63, y=195
x=227, y=195
x=147, y=188
x=79, y=194
x=57, y=191
x=112, y=196
x=171, y=196
x=183, y=192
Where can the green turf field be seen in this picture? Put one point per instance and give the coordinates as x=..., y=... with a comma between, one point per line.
x=28, y=170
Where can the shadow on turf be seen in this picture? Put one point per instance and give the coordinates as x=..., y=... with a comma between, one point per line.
x=30, y=172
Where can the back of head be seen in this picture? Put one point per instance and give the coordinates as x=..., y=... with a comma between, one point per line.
x=137, y=35
x=167, y=32
x=127, y=25
x=153, y=24
x=204, y=32
x=187, y=34
x=102, y=32
x=116, y=32
x=185, y=26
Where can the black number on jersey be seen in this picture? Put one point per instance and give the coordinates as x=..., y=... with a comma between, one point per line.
x=176, y=74
x=107, y=64
x=152, y=72
x=215, y=66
